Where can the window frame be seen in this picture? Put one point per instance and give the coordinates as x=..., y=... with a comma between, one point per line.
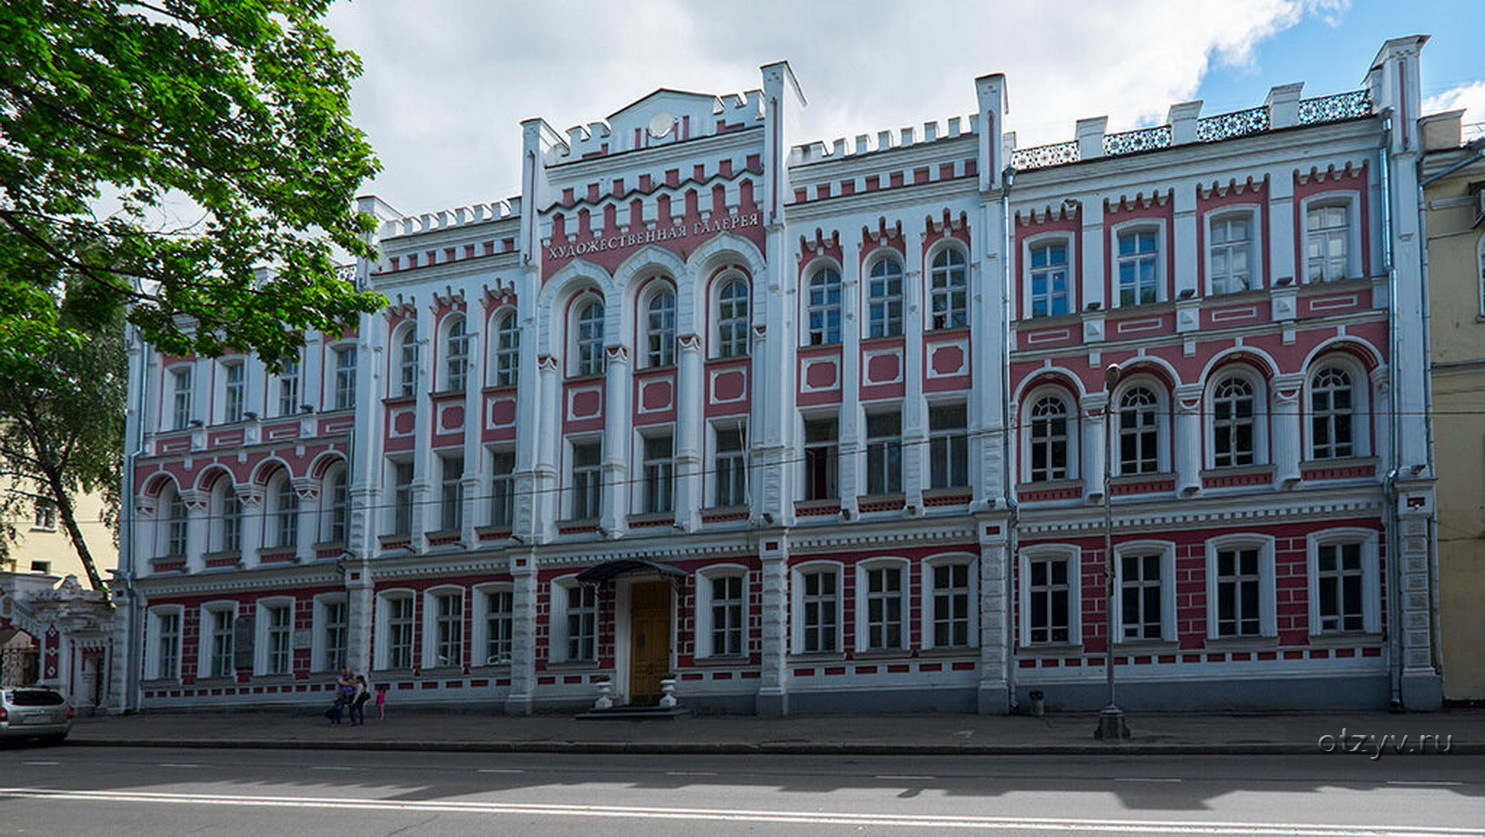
x=455, y=366
x=389, y=645
x=729, y=465
x=1155, y=228
x=483, y=618
x=234, y=391
x=1165, y=551
x=1072, y=557
x=267, y=634
x=335, y=511
x=409, y=361
x=402, y=512
x=1369, y=541
x=225, y=536
x=949, y=462
x=929, y=592
x=1359, y=417
x=822, y=455
x=175, y=531
x=281, y=521
x=801, y=599
x=1267, y=594
x=660, y=339
x=890, y=567
x=326, y=654
x=502, y=487
x=211, y=640
x=158, y=666
x=1029, y=249
x=823, y=300
x=1252, y=214
x=657, y=471
x=182, y=395
x=1070, y=437
x=885, y=307
x=706, y=618
x=507, y=349
x=1159, y=426
x=734, y=317
x=588, y=328
x=435, y=620
x=949, y=300
x=290, y=381
x=451, y=490
x=1260, y=417
x=590, y=487
x=1348, y=202
x=565, y=646
x=883, y=451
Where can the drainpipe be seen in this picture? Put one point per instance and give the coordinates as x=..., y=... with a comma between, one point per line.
x=1394, y=574
x=1013, y=520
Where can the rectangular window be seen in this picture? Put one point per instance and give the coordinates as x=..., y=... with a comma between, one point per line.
x=220, y=638
x=884, y=453
x=820, y=612
x=727, y=615
x=503, y=488
x=821, y=452
x=1049, y=291
x=1138, y=269
x=659, y=468
x=587, y=480
x=951, y=604
x=1050, y=594
x=1238, y=588
x=731, y=467
x=948, y=446
x=499, y=627
x=46, y=515
x=1140, y=597
x=181, y=405
x=582, y=622
x=1231, y=254
x=884, y=608
x=399, y=633
x=451, y=498
x=288, y=388
x=234, y=391
x=402, y=498
x=1327, y=232
x=448, y=630
x=345, y=378
x=279, y=630
x=286, y=517
x=167, y=645
x=1339, y=580
x=333, y=635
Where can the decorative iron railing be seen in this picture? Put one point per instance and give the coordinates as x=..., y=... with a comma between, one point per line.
x=1041, y=156
x=1331, y=108
x=1133, y=142
x=1240, y=123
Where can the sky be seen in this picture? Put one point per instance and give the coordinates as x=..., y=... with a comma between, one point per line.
x=446, y=83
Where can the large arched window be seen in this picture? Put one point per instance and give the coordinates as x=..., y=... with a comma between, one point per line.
x=456, y=356
x=732, y=319
x=884, y=298
x=824, y=307
x=1049, y=454
x=335, y=514
x=1235, y=429
x=1337, y=411
x=660, y=330
x=949, y=289
x=173, y=524
x=589, y=344
x=281, y=526
x=226, y=517
x=1139, y=432
x=507, y=350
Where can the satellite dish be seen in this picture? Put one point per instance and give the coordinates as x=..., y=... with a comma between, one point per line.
x=660, y=124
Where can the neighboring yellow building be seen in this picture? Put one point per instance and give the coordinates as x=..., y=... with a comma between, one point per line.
x=44, y=547
x=1454, y=210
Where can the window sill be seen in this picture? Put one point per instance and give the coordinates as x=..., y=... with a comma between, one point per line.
x=571, y=665
x=723, y=661
x=1348, y=638
x=1053, y=649
x=591, y=377
x=882, y=654
x=400, y=400
x=1241, y=643
x=1146, y=646
x=950, y=651
x=650, y=519
x=818, y=657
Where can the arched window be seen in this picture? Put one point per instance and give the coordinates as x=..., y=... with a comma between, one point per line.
x=732, y=319
x=507, y=350
x=884, y=298
x=660, y=330
x=949, y=289
x=281, y=527
x=407, y=361
x=456, y=356
x=590, y=339
x=824, y=307
x=336, y=515
x=226, y=536
x=1049, y=439
x=1234, y=441
x=173, y=532
x=1139, y=432
x=1332, y=414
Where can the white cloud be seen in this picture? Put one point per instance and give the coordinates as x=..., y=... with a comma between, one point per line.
x=1470, y=98
x=447, y=82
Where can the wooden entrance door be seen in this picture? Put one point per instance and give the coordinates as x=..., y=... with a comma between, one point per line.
x=649, y=640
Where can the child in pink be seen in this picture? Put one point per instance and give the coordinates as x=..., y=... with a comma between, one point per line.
x=381, y=701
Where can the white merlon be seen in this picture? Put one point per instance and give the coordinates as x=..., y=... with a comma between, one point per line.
x=1182, y=118
x=1283, y=105
x=1090, y=136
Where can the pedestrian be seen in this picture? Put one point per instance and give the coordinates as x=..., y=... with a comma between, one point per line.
x=345, y=686
x=359, y=695
x=381, y=701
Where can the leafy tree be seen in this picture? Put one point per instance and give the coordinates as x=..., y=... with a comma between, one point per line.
x=62, y=428
x=238, y=109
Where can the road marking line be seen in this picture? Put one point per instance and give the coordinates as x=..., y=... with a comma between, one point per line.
x=41, y=763
x=331, y=767
x=173, y=764
x=724, y=815
x=500, y=770
x=690, y=773
x=906, y=777
x=1427, y=783
x=1146, y=779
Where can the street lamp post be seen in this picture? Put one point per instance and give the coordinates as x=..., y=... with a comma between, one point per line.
x=1111, y=726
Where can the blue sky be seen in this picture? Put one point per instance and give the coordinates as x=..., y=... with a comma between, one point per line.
x=447, y=82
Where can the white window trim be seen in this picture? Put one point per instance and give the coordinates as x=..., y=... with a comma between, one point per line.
x=1371, y=587
x=443, y=374
x=655, y=286
x=1267, y=594
x=569, y=476
x=578, y=304
x=204, y=638
x=1361, y=405
x=1167, y=552
x=926, y=592
x=260, y=634
x=1074, y=429
x=1254, y=213
x=1350, y=199
x=812, y=270
x=639, y=495
x=905, y=594
x=940, y=247
x=480, y=626
x=179, y=417
x=796, y=605
x=1043, y=240
x=1163, y=413
x=557, y=622
x=704, y=624
x=152, y=669
x=281, y=484
x=319, y=650
x=1043, y=552
x=399, y=343
x=491, y=454
x=877, y=257
x=495, y=331
x=1261, y=415
x=428, y=656
x=390, y=488
x=325, y=530
x=335, y=352
x=739, y=424
x=224, y=368
x=715, y=307
x=383, y=627
x=1162, y=255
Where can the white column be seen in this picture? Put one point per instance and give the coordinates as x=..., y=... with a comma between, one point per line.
x=995, y=622
x=773, y=685
x=690, y=434
x=523, y=633
x=914, y=409
x=852, y=437
x=310, y=503
x=1281, y=244
x=1184, y=240
x=198, y=520
x=251, y=497
x=617, y=426
x=476, y=475
x=1187, y=439
x=1095, y=445
x=424, y=515
x=1092, y=253
x=1285, y=429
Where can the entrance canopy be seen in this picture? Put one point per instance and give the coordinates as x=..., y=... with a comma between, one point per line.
x=611, y=569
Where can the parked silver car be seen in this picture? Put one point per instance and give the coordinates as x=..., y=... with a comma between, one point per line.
x=34, y=712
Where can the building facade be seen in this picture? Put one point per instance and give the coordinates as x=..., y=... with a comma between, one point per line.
x=1453, y=178
x=834, y=427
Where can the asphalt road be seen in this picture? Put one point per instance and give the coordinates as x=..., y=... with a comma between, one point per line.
x=76, y=790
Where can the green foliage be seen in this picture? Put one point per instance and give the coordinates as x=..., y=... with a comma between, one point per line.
x=238, y=109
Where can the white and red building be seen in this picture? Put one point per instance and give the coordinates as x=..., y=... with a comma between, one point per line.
x=826, y=427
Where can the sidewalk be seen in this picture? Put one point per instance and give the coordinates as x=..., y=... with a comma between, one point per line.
x=1462, y=732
